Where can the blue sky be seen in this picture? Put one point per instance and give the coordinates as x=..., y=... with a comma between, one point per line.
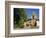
x=29, y=12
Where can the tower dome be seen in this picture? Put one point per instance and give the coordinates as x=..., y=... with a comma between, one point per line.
x=34, y=15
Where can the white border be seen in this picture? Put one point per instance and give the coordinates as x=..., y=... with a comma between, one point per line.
x=29, y=30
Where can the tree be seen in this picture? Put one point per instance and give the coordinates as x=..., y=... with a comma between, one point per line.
x=19, y=17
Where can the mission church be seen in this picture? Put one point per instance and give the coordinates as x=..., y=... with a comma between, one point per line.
x=31, y=23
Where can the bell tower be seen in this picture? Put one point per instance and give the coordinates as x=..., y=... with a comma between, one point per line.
x=33, y=15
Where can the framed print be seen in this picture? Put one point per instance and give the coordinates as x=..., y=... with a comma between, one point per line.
x=24, y=19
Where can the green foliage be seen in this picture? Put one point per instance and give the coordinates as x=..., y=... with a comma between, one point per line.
x=19, y=21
